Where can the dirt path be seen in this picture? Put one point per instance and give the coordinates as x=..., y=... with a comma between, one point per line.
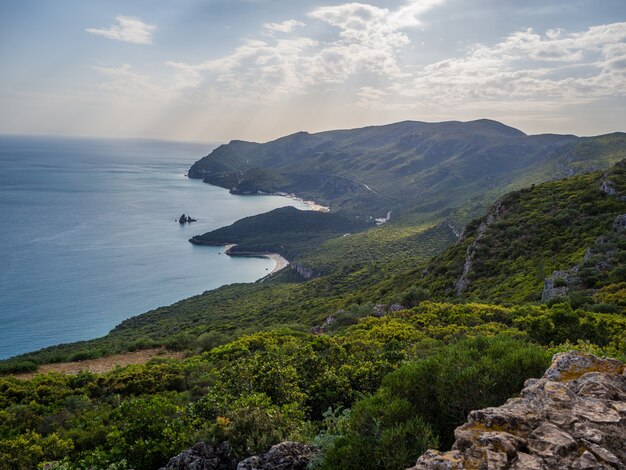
x=103, y=364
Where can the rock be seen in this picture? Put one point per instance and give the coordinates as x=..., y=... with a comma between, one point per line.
x=396, y=307
x=379, y=310
x=493, y=215
x=607, y=187
x=305, y=272
x=619, y=225
x=559, y=283
x=186, y=219
x=203, y=456
x=284, y=456
x=574, y=417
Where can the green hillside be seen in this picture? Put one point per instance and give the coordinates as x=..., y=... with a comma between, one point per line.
x=403, y=329
x=530, y=238
x=410, y=167
x=288, y=231
x=506, y=256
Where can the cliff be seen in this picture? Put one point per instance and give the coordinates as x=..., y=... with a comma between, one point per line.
x=574, y=417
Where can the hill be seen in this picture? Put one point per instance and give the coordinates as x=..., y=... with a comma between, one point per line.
x=565, y=238
x=407, y=167
x=286, y=230
x=542, y=229
x=377, y=359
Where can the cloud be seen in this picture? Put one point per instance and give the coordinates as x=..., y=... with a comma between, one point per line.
x=369, y=38
x=526, y=65
x=128, y=29
x=284, y=27
x=256, y=69
x=359, y=57
x=363, y=39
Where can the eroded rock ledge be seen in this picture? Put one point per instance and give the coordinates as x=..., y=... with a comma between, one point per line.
x=574, y=417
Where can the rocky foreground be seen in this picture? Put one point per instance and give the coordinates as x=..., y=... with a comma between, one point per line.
x=574, y=417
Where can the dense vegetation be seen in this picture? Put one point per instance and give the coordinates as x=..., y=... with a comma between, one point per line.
x=408, y=167
x=270, y=386
x=288, y=231
x=531, y=237
x=402, y=350
x=533, y=232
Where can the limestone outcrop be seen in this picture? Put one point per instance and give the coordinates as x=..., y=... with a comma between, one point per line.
x=284, y=456
x=203, y=456
x=574, y=417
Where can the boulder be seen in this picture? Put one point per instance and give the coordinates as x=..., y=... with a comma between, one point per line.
x=574, y=417
x=203, y=456
x=284, y=456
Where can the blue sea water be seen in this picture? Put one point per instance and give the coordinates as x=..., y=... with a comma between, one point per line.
x=88, y=236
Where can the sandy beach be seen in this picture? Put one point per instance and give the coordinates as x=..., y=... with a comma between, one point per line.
x=316, y=207
x=279, y=261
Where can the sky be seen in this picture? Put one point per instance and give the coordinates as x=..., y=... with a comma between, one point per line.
x=216, y=70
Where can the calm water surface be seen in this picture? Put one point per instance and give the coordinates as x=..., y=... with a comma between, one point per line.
x=88, y=236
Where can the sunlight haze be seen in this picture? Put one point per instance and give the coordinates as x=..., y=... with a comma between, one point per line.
x=259, y=69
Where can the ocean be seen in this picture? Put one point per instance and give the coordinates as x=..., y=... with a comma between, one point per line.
x=89, y=237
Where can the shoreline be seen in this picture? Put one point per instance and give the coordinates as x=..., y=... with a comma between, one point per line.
x=312, y=205
x=280, y=262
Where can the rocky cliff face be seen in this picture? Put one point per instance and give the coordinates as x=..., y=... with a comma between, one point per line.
x=574, y=417
x=493, y=215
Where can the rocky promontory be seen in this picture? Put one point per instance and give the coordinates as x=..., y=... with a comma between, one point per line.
x=574, y=417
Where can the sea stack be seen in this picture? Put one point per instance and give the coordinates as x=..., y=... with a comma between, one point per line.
x=186, y=219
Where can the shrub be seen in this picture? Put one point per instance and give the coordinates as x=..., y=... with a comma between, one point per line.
x=429, y=398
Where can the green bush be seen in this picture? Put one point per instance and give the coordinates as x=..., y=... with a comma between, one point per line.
x=425, y=400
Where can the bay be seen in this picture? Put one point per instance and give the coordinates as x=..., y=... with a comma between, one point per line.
x=88, y=235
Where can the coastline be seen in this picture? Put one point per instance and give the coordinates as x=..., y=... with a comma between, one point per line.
x=280, y=262
x=313, y=206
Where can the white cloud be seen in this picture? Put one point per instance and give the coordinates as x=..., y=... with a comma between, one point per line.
x=528, y=66
x=363, y=44
x=368, y=41
x=128, y=29
x=284, y=27
x=255, y=69
x=369, y=38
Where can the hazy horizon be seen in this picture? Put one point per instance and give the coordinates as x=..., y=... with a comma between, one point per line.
x=212, y=71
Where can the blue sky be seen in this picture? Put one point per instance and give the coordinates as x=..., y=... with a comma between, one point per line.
x=215, y=70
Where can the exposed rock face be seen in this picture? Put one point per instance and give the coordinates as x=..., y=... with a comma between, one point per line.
x=601, y=256
x=305, y=272
x=574, y=417
x=620, y=223
x=284, y=456
x=607, y=187
x=559, y=283
x=492, y=216
x=203, y=456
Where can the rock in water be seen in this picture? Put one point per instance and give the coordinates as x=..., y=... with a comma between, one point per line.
x=203, y=456
x=186, y=219
x=574, y=417
x=284, y=456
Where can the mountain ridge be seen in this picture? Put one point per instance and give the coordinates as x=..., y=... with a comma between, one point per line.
x=369, y=171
